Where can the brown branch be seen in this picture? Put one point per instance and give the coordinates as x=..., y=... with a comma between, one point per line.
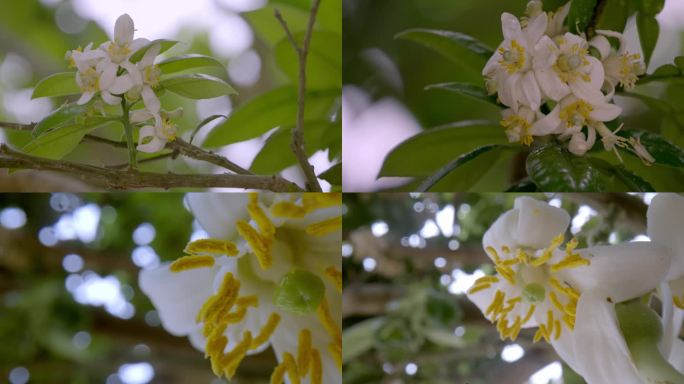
x=198, y=153
x=132, y=179
x=152, y=159
x=297, y=144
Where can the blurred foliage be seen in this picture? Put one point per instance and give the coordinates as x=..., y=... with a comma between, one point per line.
x=405, y=307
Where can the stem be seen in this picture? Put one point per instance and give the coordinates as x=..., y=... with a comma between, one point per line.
x=129, y=133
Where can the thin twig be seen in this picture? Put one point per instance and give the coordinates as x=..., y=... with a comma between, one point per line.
x=298, y=146
x=132, y=179
x=148, y=160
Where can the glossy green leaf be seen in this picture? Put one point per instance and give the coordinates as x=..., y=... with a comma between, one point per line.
x=614, y=14
x=467, y=89
x=424, y=153
x=651, y=7
x=458, y=47
x=275, y=108
x=663, y=73
x=580, y=14
x=59, y=142
x=276, y=153
x=525, y=185
x=197, y=86
x=333, y=175
x=165, y=46
x=485, y=173
x=662, y=150
x=60, y=117
x=649, y=31
x=190, y=61
x=58, y=84
x=633, y=182
x=554, y=169
x=453, y=165
x=324, y=61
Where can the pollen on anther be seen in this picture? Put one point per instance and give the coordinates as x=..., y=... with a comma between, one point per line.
x=191, y=262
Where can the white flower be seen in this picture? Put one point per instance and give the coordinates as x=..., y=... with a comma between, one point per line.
x=144, y=81
x=270, y=275
x=557, y=21
x=620, y=67
x=153, y=138
x=571, y=115
x=508, y=71
x=520, y=126
x=91, y=79
x=563, y=66
x=568, y=294
x=119, y=50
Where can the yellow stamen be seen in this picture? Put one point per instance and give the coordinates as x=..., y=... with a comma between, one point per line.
x=529, y=313
x=258, y=215
x=336, y=352
x=313, y=201
x=248, y=301
x=266, y=331
x=260, y=245
x=211, y=247
x=288, y=210
x=304, y=352
x=336, y=276
x=316, y=367
x=191, y=262
x=289, y=366
x=225, y=299
x=324, y=227
x=487, y=279
x=327, y=320
x=478, y=287
x=506, y=273
x=678, y=302
x=231, y=360
x=573, y=261
x=558, y=329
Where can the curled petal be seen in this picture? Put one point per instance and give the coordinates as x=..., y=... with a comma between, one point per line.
x=613, y=268
x=605, y=112
x=85, y=97
x=150, y=55
x=579, y=144
x=665, y=219
x=150, y=98
x=602, y=44
x=548, y=124
x=140, y=115
x=153, y=146
x=109, y=98
x=602, y=355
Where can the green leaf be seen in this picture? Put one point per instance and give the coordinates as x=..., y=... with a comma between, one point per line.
x=614, y=15
x=633, y=182
x=453, y=165
x=679, y=62
x=181, y=63
x=275, y=108
x=458, y=47
x=59, y=142
x=662, y=150
x=580, y=14
x=424, y=153
x=360, y=337
x=466, y=89
x=649, y=31
x=60, y=117
x=333, y=175
x=651, y=7
x=663, y=73
x=324, y=61
x=276, y=153
x=165, y=46
x=554, y=169
x=525, y=185
x=197, y=86
x=266, y=26
x=58, y=84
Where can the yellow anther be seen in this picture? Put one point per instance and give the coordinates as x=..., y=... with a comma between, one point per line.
x=304, y=352
x=314, y=201
x=225, y=299
x=506, y=273
x=248, y=301
x=191, y=262
x=490, y=250
x=529, y=313
x=266, y=331
x=549, y=321
x=211, y=247
x=573, y=261
x=496, y=303
x=514, y=300
x=236, y=316
x=260, y=245
x=289, y=366
x=541, y=333
x=316, y=367
x=335, y=350
x=336, y=276
x=487, y=279
x=678, y=302
x=259, y=216
x=569, y=321
x=231, y=360
x=327, y=320
x=325, y=227
x=288, y=210
x=523, y=257
x=478, y=287
x=506, y=249
x=558, y=329
x=215, y=347
x=514, y=331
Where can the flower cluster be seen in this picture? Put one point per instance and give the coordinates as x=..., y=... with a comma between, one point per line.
x=570, y=294
x=270, y=275
x=558, y=83
x=110, y=71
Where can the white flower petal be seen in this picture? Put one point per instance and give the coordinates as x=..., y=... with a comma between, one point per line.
x=565, y=348
x=580, y=144
x=613, y=269
x=153, y=146
x=133, y=72
x=508, y=90
x=551, y=84
x=502, y=232
x=602, y=354
x=108, y=77
x=85, y=97
x=530, y=90
x=109, y=98
x=677, y=355
x=177, y=297
x=539, y=222
x=602, y=44
x=510, y=26
x=218, y=212
x=536, y=28
x=548, y=124
x=150, y=55
x=121, y=85
x=665, y=219
x=124, y=30
x=140, y=115
x=605, y=112
x=138, y=43
x=150, y=98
